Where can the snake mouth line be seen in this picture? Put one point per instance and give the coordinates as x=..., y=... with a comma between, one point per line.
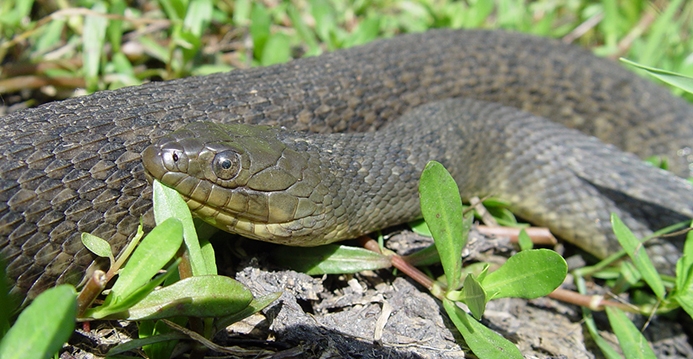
x=219, y=213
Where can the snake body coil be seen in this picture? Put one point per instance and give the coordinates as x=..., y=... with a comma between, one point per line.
x=75, y=166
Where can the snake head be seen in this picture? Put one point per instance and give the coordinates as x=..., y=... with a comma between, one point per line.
x=242, y=179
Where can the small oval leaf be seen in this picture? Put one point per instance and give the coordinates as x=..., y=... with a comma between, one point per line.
x=97, y=245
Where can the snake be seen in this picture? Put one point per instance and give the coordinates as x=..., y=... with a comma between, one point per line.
x=330, y=147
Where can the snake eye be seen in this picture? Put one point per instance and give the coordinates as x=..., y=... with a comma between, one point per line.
x=226, y=164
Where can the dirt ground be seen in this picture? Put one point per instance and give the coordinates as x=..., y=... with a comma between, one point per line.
x=378, y=315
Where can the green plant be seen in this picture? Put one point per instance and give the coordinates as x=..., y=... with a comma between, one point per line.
x=529, y=274
x=202, y=296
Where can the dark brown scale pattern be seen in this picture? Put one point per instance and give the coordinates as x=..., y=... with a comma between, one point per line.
x=362, y=182
x=75, y=166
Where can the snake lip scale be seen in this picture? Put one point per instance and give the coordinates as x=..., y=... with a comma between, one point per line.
x=77, y=165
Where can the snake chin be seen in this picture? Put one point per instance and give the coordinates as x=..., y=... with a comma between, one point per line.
x=293, y=233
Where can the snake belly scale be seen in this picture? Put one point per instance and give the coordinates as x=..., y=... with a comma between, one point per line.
x=76, y=165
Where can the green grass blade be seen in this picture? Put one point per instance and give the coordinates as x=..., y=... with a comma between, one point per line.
x=93, y=41
x=307, y=36
x=684, y=277
x=260, y=21
x=637, y=253
x=658, y=33
x=633, y=343
x=672, y=78
x=256, y=305
x=606, y=348
x=198, y=16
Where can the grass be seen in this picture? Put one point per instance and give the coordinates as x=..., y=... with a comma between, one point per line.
x=56, y=49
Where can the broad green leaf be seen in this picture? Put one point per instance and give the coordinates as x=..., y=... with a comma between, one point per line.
x=169, y=204
x=441, y=207
x=330, y=259
x=484, y=342
x=155, y=250
x=43, y=327
x=633, y=343
x=200, y=296
x=683, y=82
x=637, y=254
x=528, y=274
